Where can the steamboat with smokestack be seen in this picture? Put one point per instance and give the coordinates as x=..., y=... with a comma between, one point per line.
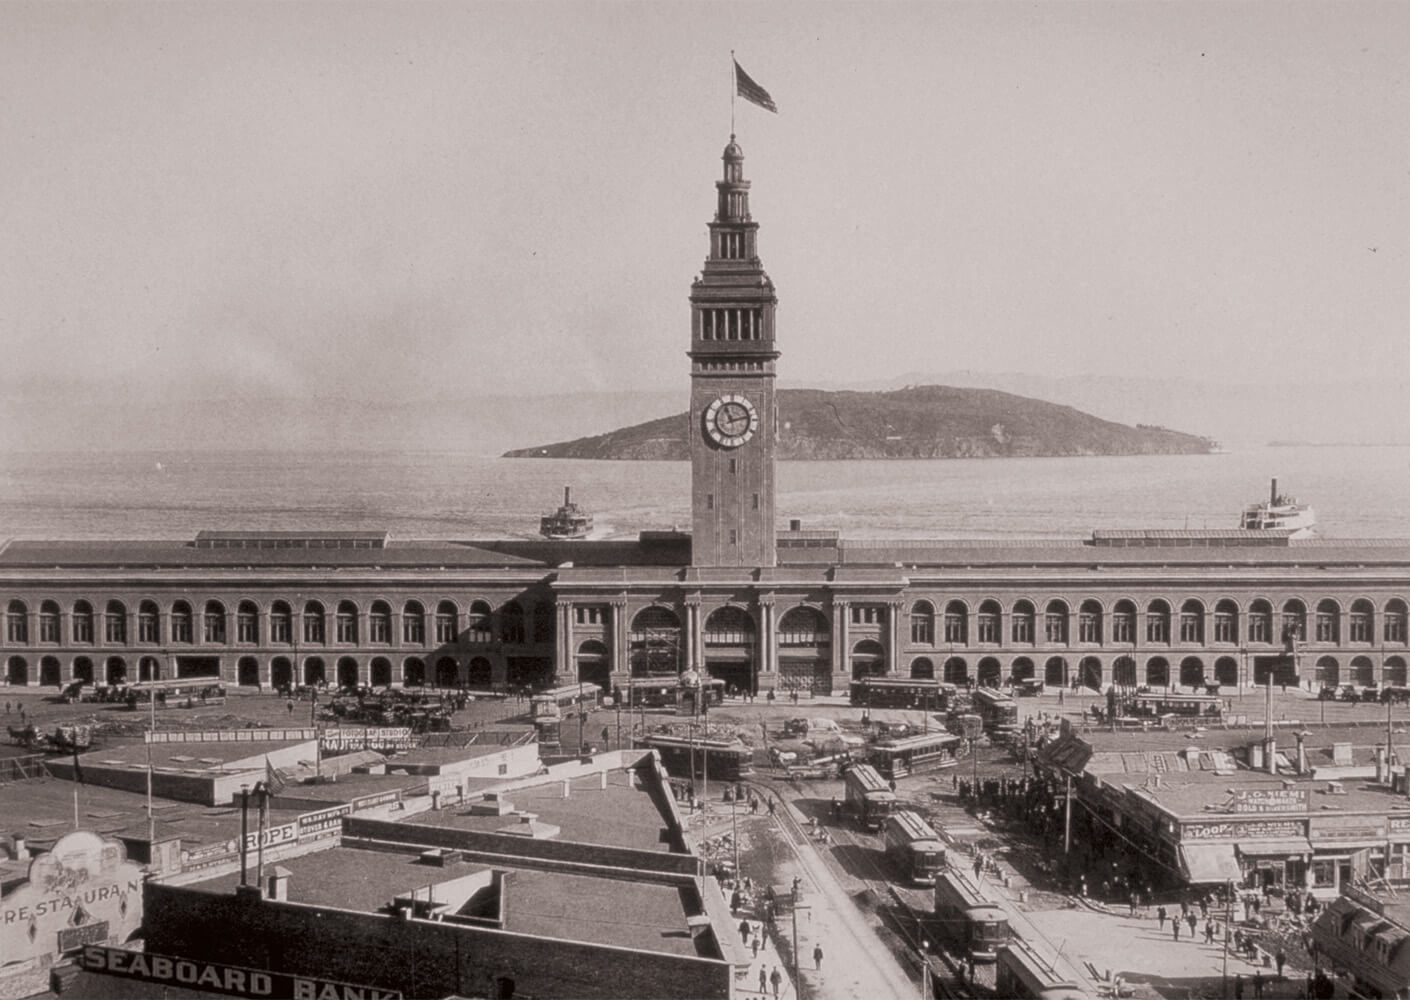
x=568, y=521
x=1279, y=512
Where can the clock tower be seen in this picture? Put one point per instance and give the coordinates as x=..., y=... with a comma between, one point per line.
x=733, y=417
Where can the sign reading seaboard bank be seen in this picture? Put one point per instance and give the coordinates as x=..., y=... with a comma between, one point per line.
x=217, y=978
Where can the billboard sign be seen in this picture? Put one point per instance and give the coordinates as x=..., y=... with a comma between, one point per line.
x=232, y=980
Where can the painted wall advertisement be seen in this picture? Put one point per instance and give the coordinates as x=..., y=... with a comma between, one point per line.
x=233, y=980
x=84, y=890
x=1272, y=829
x=1269, y=800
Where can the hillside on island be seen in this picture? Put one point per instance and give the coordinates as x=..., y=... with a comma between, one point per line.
x=929, y=421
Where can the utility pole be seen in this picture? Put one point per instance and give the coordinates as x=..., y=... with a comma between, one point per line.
x=1067, y=819
x=797, y=973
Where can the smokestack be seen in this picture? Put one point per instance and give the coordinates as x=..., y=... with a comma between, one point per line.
x=1273, y=492
x=568, y=492
x=1380, y=762
x=21, y=852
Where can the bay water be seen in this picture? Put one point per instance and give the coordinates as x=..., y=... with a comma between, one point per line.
x=1358, y=492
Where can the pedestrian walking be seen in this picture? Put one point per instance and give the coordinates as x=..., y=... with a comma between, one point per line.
x=1160, y=915
x=291, y=706
x=1175, y=929
x=1193, y=921
x=1258, y=986
x=764, y=983
x=1238, y=986
x=1131, y=912
x=735, y=898
x=1281, y=958
x=744, y=930
x=817, y=956
x=756, y=944
x=1209, y=932
x=775, y=980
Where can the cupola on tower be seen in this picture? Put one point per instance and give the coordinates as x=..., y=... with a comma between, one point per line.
x=733, y=418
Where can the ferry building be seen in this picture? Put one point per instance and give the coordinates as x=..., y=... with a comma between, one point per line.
x=739, y=597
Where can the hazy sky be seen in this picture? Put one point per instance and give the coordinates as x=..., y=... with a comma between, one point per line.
x=397, y=200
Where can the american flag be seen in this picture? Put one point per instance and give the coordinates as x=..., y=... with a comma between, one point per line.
x=274, y=782
x=751, y=91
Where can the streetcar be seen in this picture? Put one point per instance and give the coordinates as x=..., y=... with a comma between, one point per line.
x=682, y=757
x=998, y=710
x=1177, y=708
x=913, y=754
x=660, y=692
x=869, y=798
x=557, y=703
x=914, y=847
x=903, y=692
x=968, y=917
x=1024, y=973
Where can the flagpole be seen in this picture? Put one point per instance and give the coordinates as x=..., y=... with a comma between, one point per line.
x=733, y=92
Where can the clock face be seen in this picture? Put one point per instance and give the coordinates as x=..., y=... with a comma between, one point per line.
x=731, y=420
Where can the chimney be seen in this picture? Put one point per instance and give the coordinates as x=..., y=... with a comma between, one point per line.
x=603, y=775
x=1302, y=756
x=435, y=801
x=1255, y=756
x=21, y=852
x=568, y=493
x=1380, y=764
x=1155, y=780
x=1270, y=754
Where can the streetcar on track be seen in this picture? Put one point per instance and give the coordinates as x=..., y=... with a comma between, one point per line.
x=556, y=703
x=914, y=754
x=1024, y=973
x=1175, y=709
x=969, y=918
x=661, y=692
x=914, y=847
x=998, y=710
x=682, y=757
x=903, y=692
x=869, y=798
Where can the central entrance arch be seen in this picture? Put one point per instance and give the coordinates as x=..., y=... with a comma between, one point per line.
x=593, y=665
x=731, y=642
x=868, y=659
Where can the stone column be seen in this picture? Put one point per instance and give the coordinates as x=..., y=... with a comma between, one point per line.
x=692, y=629
x=620, y=646
x=563, y=653
x=893, y=638
x=841, y=644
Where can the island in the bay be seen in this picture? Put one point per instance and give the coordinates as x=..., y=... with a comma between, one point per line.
x=928, y=421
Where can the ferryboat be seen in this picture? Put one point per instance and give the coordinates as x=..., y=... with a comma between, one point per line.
x=566, y=522
x=1279, y=513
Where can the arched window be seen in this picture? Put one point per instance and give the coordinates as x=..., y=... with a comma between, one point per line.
x=1395, y=616
x=868, y=659
x=1192, y=624
x=1089, y=623
x=511, y=623
x=446, y=630
x=346, y=627
x=923, y=623
x=49, y=622
x=1158, y=624
x=1123, y=628
x=1328, y=621
x=281, y=624
x=1022, y=625
x=1226, y=625
x=115, y=623
x=214, y=618
x=247, y=625
x=655, y=642
x=181, y=623
x=313, y=629
x=481, y=627
x=956, y=623
x=804, y=627
x=1260, y=621
x=923, y=668
x=729, y=626
x=379, y=631
x=1055, y=622
x=1363, y=621
x=83, y=623
x=17, y=623
x=988, y=623
x=413, y=624
x=1294, y=622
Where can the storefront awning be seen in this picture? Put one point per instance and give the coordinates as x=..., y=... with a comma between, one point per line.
x=1208, y=864
x=1285, y=847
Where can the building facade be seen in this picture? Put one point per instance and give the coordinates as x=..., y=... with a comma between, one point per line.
x=739, y=599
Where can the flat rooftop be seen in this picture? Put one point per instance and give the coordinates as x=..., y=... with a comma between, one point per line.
x=538, y=903
x=618, y=816
x=197, y=757
x=42, y=811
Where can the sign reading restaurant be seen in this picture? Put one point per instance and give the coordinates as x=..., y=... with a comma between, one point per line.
x=217, y=978
x=1269, y=800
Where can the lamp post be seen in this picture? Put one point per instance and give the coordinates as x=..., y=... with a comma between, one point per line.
x=244, y=833
x=925, y=991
